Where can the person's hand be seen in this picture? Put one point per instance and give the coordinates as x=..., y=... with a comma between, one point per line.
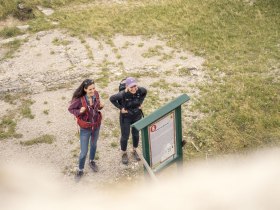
x=124, y=111
x=82, y=110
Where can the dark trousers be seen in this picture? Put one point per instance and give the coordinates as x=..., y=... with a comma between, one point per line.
x=125, y=122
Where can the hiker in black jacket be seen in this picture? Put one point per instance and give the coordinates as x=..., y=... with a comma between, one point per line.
x=129, y=102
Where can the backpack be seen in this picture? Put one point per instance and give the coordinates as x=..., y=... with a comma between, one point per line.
x=85, y=124
x=80, y=122
x=122, y=85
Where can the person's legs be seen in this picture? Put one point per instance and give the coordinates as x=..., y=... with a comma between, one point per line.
x=93, y=143
x=93, y=146
x=135, y=138
x=84, y=140
x=125, y=131
x=135, y=132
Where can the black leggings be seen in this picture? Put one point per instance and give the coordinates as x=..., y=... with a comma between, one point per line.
x=125, y=122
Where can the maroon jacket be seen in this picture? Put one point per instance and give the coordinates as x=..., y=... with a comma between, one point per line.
x=93, y=114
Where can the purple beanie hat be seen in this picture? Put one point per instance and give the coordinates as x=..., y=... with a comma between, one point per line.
x=130, y=81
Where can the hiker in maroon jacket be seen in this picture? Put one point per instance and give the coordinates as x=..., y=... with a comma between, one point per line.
x=85, y=106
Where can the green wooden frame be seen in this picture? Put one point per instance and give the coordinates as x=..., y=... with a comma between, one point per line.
x=160, y=113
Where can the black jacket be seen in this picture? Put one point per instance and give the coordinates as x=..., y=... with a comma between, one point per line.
x=129, y=101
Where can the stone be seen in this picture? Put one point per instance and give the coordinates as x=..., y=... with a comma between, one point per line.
x=23, y=27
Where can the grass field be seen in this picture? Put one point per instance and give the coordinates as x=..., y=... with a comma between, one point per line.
x=240, y=42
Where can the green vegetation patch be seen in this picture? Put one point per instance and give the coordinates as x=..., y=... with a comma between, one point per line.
x=104, y=76
x=40, y=24
x=153, y=51
x=11, y=47
x=44, y=139
x=161, y=84
x=8, y=32
x=7, y=7
x=58, y=41
x=151, y=103
x=8, y=128
x=10, y=98
x=26, y=110
x=114, y=144
x=247, y=116
x=184, y=71
x=20, y=107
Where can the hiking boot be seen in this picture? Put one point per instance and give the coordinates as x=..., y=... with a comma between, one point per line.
x=136, y=156
x=124, y=158
x=93, y=166
x=79, y=175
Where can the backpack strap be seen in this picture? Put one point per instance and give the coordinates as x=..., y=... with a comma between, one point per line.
x=83, y=100
x=84, y=104
x=97, y=105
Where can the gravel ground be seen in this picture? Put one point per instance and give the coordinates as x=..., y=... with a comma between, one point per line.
x=51, y=64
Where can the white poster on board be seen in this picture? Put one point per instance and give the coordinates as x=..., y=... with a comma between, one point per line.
x=162, y=138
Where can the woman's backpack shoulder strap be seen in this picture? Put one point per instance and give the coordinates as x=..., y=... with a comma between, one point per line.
x=96, y=94
x=84, y=102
